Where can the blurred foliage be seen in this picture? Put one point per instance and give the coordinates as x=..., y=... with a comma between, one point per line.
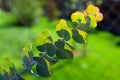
x=99, y=64
x=6, y=18
x=51, y=51
x=27, y=11
x=30, y=12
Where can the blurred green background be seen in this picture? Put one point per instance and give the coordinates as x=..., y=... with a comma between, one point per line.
x=21, y=21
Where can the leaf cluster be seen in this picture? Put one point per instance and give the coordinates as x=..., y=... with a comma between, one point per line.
x=50, y=52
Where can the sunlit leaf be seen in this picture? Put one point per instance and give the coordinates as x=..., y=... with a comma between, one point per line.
x=28, y=51
x=8, y=61
x=93, y=21
x=79, y=36
x=94, y=13
x=99, y=17
x=78, y=17
x=41, y=40
x=46, y=34
x=92, y=10
x=28, y=47
x=63, y=30
x=67, y=47
x=3, y=69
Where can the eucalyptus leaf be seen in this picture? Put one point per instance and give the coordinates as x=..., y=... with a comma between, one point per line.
x=13, y=70
x=79, y=36
x=42, y=67
x=64, y=34
x=51, y=60
x=63, y=30
x=46, y=34
x=27, y=63
x=48, y=48
x=64, y=54
x=60, y=44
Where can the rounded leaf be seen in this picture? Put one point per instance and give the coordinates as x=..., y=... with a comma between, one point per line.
x=93, y=21
x=78, y=17
x=48, y=48
x=60, y=44
x=91, y=9
x=41, y=40
x=99, y=17
x=42, y=67
x=64, y=54
x=63, y=30
x=46, y=34
x=79, y=36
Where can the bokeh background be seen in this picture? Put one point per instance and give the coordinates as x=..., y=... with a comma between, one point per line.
x=21, y=21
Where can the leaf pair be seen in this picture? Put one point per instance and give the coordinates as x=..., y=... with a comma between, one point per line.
x=67, y=33
x=42, y=67
x=63, y=50
x=92, y=12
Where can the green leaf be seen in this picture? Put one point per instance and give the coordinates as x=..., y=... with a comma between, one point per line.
x=42, y=67
x=41, y=41
x=78, y=17
x=64, y=54
x=28, y=51
x=28, y=47
x=68, y=54
x=79, y=36
x=93, y=22
x=60, y=44
x=48, y=48
x=51, y=60
x=31, y=55
x=13, y=70
x=72, y=48
x=46, y=34
x=64, y=34
x=63, y=30
x=63, y=50
x=27, y=63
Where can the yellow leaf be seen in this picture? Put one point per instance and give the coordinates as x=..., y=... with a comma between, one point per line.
x=62, y=24
x=99, y=17
x=92, y=10
x=83, y=34
x=41, y=41
x=45, y=34
x=76, y=16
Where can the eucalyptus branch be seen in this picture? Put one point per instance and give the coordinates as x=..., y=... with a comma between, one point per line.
x=23, y=71
x=60, y=49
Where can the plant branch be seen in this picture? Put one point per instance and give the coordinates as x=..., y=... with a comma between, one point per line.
x=23, y=71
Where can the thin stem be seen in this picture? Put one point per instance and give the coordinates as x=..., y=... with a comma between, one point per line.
x=23, y=71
